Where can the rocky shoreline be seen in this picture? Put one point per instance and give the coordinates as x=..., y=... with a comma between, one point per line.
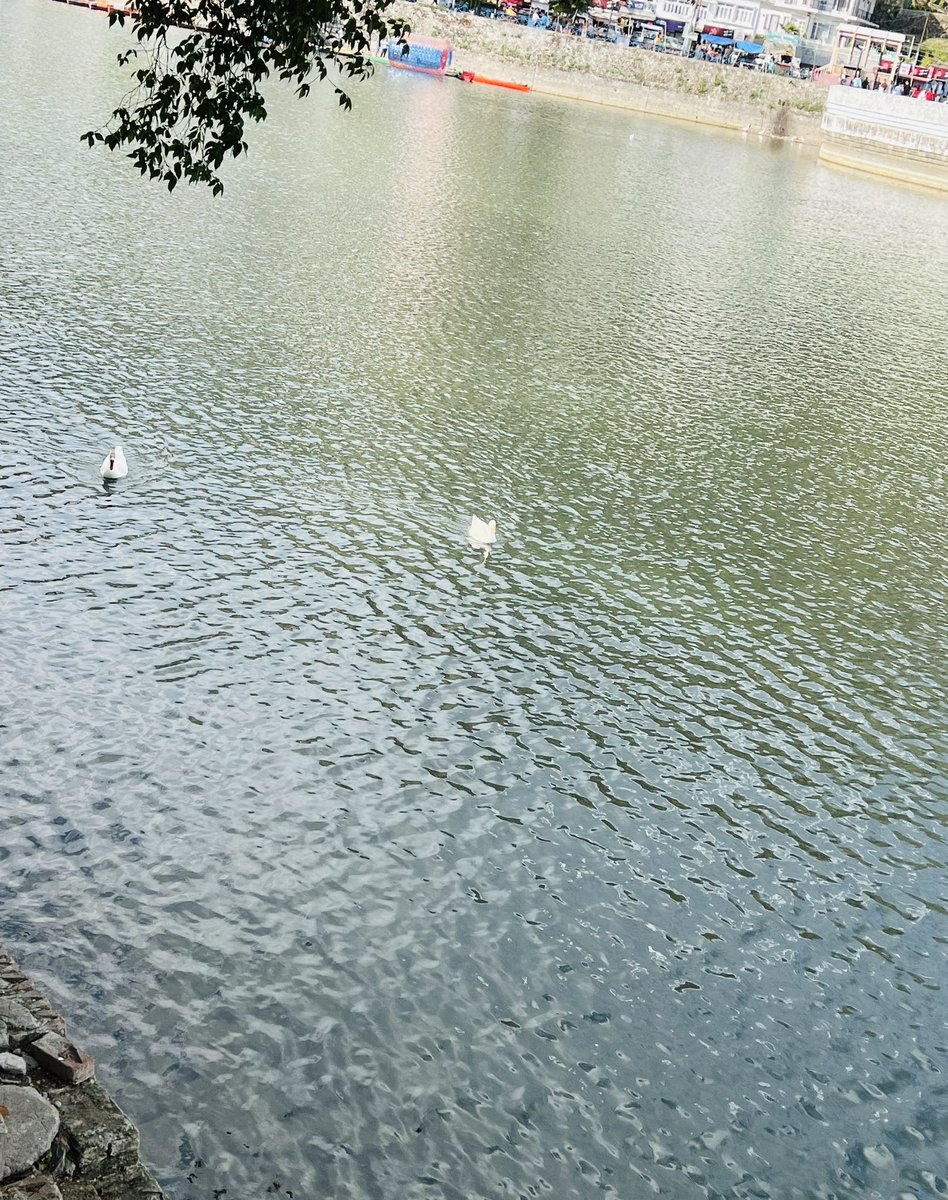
x=664, y=85
x=62, y=1137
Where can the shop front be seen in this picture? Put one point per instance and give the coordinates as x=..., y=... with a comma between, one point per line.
x=716, y=36
x=672, y=33
x=748, y=51
x=783, y=51
x=929, y=82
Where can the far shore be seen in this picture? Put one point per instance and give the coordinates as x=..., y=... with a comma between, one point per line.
x=559, y=64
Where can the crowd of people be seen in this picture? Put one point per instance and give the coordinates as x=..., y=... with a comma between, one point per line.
x=918, y=89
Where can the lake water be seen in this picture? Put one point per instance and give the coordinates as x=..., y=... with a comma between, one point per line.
x=615, y=866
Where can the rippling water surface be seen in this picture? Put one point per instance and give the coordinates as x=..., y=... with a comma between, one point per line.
x=615, y=866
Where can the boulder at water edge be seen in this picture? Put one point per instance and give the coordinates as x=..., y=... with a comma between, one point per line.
x=30, y=1124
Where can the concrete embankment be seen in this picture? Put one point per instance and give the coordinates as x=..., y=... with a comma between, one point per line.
x=895, y=137
x=62, y=1137
x=685, y=89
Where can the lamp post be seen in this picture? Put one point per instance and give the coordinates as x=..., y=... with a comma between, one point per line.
x=690, y=32
x=918, y=49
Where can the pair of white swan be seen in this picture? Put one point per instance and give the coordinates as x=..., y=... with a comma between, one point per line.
x=481, y=535
x=114, y=465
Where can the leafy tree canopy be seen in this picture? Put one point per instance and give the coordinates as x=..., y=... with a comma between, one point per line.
x=935, y=50
x=199, y=66
x=885, y=12
x=569, y=8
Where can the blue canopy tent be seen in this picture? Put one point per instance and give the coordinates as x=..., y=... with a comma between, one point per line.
x=750, y=47
x=714, y=39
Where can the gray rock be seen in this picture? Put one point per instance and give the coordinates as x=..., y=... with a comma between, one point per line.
x=37, y=1187
x=31, y=1123
x=101, y=1138
x=137, y=1185
x=18, y=1021
x=12, y=1064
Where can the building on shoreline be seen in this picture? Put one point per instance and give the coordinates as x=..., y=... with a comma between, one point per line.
x=814, y=25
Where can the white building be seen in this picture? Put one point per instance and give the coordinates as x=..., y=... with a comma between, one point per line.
x=750, y=20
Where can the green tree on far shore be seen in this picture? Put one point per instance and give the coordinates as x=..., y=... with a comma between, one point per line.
x=571, y=9
x=199, y=66
x=896, y=14
x=886, y=12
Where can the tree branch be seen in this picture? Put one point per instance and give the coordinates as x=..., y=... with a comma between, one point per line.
x=195, y=93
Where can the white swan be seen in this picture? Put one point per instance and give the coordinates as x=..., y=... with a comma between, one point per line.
x=482, y=535
x=114, y=465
